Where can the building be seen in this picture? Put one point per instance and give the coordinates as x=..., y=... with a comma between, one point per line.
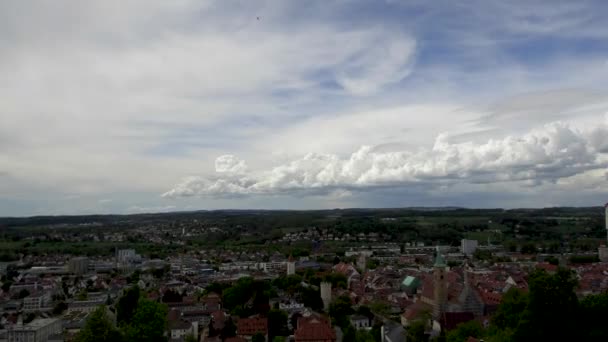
x=314, y=329
x=468, y=247
x=359, y=322
x=326, y=294
x=89, y=305
x=78, y=266
x=36, y=302
x=362, y=262
x=127, y=256
x=179, y=329
x=247, y=327
x=291, y=266
x=441, y=288
x=38, y=330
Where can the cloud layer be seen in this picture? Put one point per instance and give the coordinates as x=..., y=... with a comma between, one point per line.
x=548, y=154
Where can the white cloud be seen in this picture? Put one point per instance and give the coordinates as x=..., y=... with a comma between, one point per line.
x=127, y=97
x=550, y=153
x=230, y=164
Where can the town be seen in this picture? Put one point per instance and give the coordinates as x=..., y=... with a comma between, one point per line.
x=323, y=285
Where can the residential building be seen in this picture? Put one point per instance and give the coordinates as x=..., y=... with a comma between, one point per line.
x=359, y=322
x=314, y=329
x=78, y=265
x=468, y=247
x=247, y=327
x=38, y=330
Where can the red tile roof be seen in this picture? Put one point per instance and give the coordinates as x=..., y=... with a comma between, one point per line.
x=314, y=329
x=252, y=326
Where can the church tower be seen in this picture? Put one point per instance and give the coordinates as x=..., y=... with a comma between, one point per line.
x=440, y=285
x=291, y=266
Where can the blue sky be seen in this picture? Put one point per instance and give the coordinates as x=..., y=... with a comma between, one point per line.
x=134, y=106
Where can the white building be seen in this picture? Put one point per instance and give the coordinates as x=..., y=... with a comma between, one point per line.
x=326, y=294
x=291, y=266
x=36, y=302
x=359, y=322
x=180, y=329
x=468, y=247
x=38, y=330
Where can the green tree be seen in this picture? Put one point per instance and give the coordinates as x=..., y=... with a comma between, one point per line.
x=126, y=306
x=59, y=308
x=593, y=313
x=464, y=331
x=310, y=298
x=190, y=338
x=99, y=328
x=416, y=332
x=508, y=314
x=340, y=309
x=550, y=296
x=229, y=329
x=82, y=295
x=258, y=337
x=364, y=336
x=279, y=339
x=349, y=333
x=277, y=323
x=148, y=322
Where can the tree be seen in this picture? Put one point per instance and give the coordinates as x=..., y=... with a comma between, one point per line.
x=99, y=328
x=464, y=331
x=229, y=329
x=310, y=298
x=539, y=315
x=279, y=339
x=277, y=323
x=593, y=311
x=6, y=285
x=190, y=338
x=416, y=332
x=550, y=296
x=126, y=306
x=340, y=309
x=349, y=333
x=148, y=322
x=508, y=314
x=59, y=308
x=258, y=337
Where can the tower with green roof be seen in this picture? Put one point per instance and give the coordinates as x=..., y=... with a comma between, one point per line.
x=440, y=285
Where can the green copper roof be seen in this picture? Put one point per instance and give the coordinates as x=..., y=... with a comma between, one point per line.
x=410, y=281
x=440, y=260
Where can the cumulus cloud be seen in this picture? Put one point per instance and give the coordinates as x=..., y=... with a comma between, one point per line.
x=550, y=153
x=230, y=164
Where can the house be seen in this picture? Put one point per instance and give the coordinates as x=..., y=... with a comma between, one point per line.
x=359, y=322
x=314, y=329
x=179, y=329
x=247, y=327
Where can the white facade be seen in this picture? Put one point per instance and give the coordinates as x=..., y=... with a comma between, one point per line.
x=291, y=268
x=468, y=247
x=326, y=294
x=38, y=330
x=126, y=255
x=36, y=302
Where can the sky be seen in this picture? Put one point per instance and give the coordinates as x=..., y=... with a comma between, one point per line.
x=150, y=106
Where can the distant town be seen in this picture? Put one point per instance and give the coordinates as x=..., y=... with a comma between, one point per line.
x=338, y=275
